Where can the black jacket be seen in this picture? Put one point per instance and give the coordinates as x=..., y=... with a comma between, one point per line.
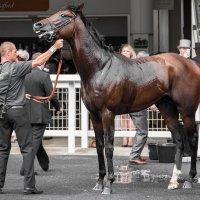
x=38, y=83
x=197, y=60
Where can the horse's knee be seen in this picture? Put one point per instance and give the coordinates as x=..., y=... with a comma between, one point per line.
x=99, y=149
x=109, y=151
x=193, y=141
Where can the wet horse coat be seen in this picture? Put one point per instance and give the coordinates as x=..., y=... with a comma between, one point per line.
x=112, y=84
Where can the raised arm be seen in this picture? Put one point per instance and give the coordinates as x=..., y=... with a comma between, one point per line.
x=40, y=60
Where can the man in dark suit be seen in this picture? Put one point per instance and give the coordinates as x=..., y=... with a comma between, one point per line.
x=197, y=51
x=38, y=83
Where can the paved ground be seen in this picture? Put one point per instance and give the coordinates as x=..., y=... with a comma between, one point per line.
x=73, y=177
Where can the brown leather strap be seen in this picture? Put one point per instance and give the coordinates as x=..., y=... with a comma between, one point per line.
x=40, y=99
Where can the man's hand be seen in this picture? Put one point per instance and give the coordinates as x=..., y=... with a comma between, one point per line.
x=58, y=112
x=58, y=44
x=153, y=107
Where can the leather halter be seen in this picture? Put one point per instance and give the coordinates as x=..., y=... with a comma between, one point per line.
x=40, y=99
x=52, y=34
x=56, y=27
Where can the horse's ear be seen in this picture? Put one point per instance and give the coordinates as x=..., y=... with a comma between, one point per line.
x=80, y=7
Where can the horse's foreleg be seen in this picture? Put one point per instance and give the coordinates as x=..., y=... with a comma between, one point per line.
x=99, y=136
x=108, y=124
x=100, y=152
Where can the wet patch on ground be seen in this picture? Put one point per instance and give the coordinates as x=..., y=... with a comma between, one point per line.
x=127, y=174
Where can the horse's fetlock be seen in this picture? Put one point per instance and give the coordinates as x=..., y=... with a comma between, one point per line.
x=192, y=173
x=111, y=179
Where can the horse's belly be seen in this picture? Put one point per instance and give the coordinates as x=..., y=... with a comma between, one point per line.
x=124, y=98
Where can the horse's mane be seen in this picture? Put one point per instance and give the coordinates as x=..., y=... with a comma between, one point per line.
x=99, y=39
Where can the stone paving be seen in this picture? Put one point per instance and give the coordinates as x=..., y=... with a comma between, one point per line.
x=72, y=177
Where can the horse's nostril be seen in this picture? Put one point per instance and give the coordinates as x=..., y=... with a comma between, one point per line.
x=38, y=25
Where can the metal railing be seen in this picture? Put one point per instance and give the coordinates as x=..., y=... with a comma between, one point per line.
x=74, y=120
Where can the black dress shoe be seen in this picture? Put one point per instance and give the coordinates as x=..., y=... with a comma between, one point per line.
x=1, y=192
x=32, y=191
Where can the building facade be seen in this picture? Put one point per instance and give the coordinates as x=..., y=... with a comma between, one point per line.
x=152, y=25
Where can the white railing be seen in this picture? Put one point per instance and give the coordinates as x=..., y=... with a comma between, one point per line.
x=195, y=24
x=74, y=120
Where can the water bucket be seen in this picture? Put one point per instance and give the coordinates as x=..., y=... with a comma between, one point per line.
x=166, y=152
x=153, y=153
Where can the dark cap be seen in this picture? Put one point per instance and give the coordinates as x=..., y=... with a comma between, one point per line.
x=197, y=45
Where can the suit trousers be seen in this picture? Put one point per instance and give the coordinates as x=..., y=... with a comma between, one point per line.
x=38, y=132
x=141, y=123
x=16, y=119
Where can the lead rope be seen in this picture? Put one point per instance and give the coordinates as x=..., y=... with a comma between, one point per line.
x=40, y=99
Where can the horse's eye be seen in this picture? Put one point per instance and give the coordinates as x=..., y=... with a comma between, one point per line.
x=63, y=15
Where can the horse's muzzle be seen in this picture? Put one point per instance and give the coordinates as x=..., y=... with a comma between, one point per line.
x=37, y=28
x=43, y=32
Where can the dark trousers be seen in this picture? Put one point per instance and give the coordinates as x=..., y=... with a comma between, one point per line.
x=16, y=119
x=38, y=132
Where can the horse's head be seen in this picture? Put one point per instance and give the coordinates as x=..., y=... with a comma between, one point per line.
x=59, y=25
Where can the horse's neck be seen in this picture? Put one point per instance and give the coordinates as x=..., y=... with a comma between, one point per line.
x=88, y=57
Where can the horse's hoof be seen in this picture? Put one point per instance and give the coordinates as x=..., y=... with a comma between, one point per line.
x=173, y=186
x=187, y=185
x=181, y=180
x=98, y=187
x=107, y=190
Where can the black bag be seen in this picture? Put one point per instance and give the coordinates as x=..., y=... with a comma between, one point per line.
x=2, y=112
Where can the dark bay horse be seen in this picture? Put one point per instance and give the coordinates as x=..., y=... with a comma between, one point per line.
x=112, y=84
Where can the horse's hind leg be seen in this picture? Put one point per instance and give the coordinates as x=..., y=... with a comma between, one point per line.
x=99, y=135
x=170, y=114
x=192, y=137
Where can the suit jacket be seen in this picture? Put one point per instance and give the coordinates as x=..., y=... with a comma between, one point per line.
x=38, y=83
x=197, y=60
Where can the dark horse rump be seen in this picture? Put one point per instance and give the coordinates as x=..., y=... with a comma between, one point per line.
x=112, y=84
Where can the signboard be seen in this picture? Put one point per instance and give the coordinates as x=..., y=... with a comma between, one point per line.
x=164, y=4
x=23, y=5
